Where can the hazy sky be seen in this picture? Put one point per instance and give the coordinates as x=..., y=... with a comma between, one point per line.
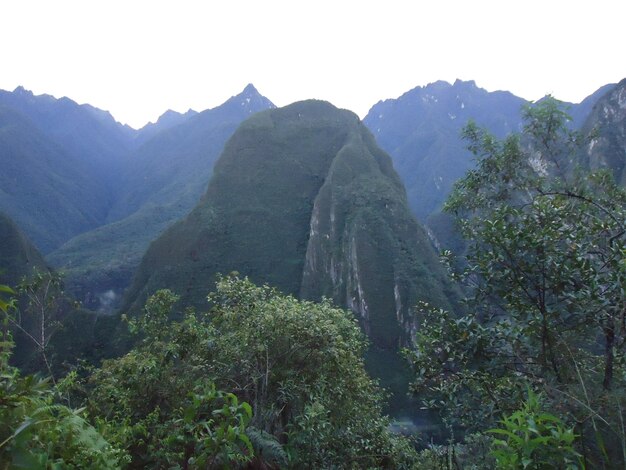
x=137, y=58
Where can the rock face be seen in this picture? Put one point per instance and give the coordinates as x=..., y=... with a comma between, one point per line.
x=303, y=199
x=608, y=121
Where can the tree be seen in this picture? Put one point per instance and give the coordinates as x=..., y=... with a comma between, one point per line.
x=35, y=430
x=38, y=320
x=545, y=272
x=298, y=364
x=160, y=403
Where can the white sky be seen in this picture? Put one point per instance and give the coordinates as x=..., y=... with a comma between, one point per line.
x=137, y=58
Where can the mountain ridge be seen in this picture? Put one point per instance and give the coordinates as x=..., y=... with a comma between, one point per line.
x=163, y=180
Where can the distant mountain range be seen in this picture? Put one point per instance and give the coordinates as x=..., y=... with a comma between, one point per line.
x=608, y=122
x=163, y=178
x=421, y=130
x=92, y=194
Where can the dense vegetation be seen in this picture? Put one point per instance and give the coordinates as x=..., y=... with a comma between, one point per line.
x=295, y=393
x=544, y=339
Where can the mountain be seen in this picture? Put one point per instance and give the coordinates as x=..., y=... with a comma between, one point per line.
x=48, y=191
x=83, y=131
x=167, y=120
x=303, y=199
x=580, y=112
x=77, y=333
x=421, y=131
x=176, y=164
x=60, y=165
x=608, y=121
x=18, y=256
x=162, y=180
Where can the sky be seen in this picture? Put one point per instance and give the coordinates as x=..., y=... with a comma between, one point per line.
x=138, y=58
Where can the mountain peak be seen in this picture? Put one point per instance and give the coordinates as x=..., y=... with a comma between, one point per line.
x=251, y=100
x=20, y=90
x=465, y=83
x=250, y=89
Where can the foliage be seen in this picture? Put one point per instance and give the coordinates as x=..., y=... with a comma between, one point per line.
x=303, y=199
x=6, y=304
x=456, y=361
x=159, y=401
x=531, y=438
x=267, y=449
x=298, y=364
x=45, y=325
x=545, y=269
x=472, y=453
x=38, y=432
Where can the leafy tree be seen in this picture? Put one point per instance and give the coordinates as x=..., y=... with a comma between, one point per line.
x=159, y=401
x=545, y=272
x=298, y=364
x=35, y=430
x=39, y=320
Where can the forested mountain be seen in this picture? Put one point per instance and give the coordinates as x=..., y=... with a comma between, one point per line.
x=421, y=130
x=174, y=166
x=18, y=256
x=160, y=182
x=50, y=192
x=83, y=131
x=580, y=112
x=303, y=199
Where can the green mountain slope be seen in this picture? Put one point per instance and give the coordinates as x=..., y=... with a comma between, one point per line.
x=303, y=199
x=61, y=163
x=78, y=333
x=46, y=190
x=18, y=256
x=162, y=181
x=82, y=131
